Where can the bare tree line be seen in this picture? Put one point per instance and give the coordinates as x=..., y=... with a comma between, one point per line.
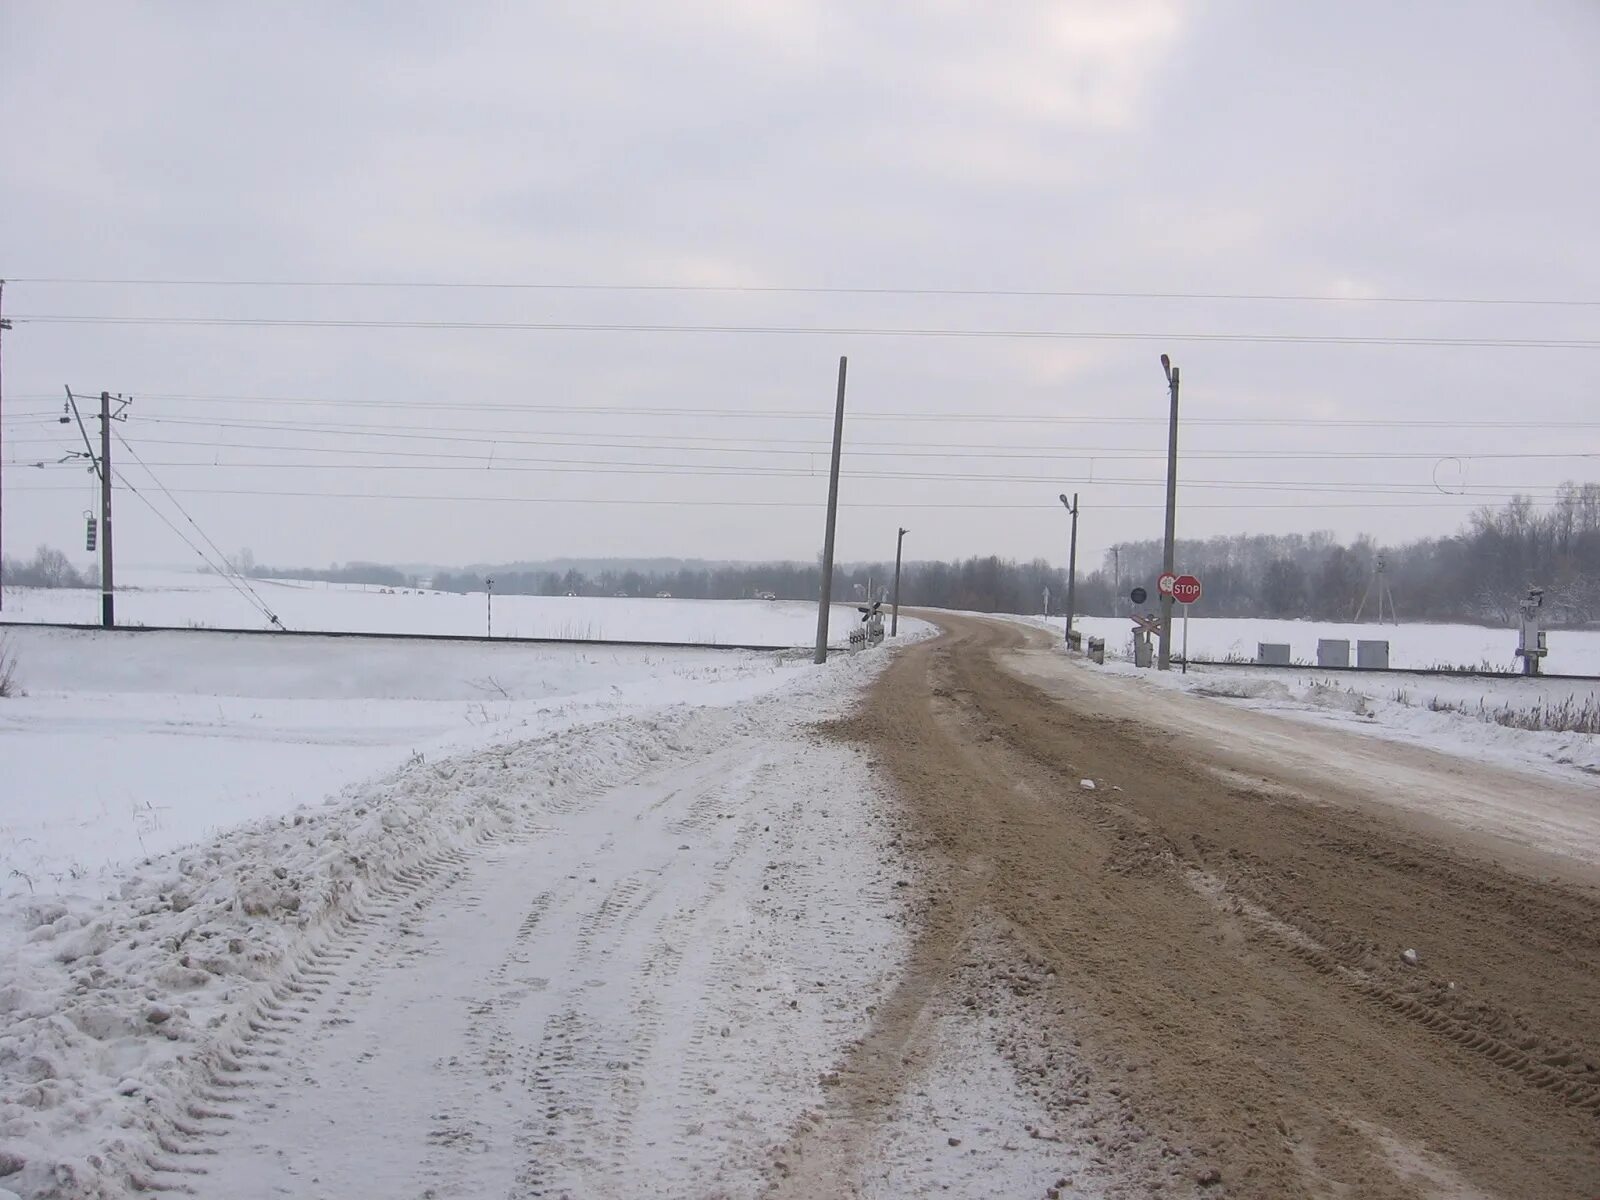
x=1477, y=574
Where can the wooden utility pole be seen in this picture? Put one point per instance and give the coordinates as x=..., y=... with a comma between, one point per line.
x=826, y=597
x=1072, y=562
x=1164, y=660
x=108, y=613
x=894, y=619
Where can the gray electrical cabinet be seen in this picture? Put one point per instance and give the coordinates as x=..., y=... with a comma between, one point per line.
x=1372, y=656
x=1272, y=654
x=1333, y=652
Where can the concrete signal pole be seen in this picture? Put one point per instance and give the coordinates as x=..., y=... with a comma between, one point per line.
x=826, y=597
x=4, y=325
x=1164, y=660
x=108, y=612
x=894, y=619
x=1072, y=561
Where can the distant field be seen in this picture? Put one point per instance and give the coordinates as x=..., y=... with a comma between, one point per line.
x=194, y=735
x=176, y=598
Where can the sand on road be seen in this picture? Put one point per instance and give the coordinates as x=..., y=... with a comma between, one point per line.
x=1198, y=952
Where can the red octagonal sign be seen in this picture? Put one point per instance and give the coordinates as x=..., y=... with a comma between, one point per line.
x=1186, y=589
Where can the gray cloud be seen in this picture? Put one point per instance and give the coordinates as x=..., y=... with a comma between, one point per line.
x=1430, y=150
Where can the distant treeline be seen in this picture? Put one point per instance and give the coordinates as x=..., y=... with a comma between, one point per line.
x=48, y=568
x=1478, y=574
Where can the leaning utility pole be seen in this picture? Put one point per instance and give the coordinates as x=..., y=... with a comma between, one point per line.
x=894, y=619
x=1072, y=561
x=108, y=615
x=4, y=325
x=1164, y=661
x=833, y=511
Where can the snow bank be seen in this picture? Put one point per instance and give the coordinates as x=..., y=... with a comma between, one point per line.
x=122, y=1014
x=1418, y=710
x=194, y=733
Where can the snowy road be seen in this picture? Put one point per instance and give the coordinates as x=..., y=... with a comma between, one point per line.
x=621, y=992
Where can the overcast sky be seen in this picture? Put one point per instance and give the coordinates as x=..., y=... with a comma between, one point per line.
x=1426, y=150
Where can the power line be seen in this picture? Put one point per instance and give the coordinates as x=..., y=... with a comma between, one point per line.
x=774, y=289
x=1011, y=452
x=148, y=503
x=376, y=496
x=223, y=558
x=869, y=414
x=816, y=330
x=612, y=467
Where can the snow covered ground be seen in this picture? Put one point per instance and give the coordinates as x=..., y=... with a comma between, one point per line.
x=567, y=963
x=1410, y=645
x=1455, y=714
x=179, y=599
x=130, y=745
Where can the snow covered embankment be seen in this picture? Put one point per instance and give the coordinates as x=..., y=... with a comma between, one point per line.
x=127, y=1020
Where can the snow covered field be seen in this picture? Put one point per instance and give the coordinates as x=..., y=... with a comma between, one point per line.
x=179, y=599
x=1450, y=713
x=129, y=745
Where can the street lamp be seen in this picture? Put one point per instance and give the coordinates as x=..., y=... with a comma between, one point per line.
x=1164, y=661
x=1072, y=560
x=894, y=619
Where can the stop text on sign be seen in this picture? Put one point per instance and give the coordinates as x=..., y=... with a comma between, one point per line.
x=1186, y=589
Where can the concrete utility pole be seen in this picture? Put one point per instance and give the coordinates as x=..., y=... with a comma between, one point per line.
x=1164, y=660
x=1072, y=561
x=826, y=597
x=488, y=597
x=4, y=325
x=108, y=613
x=1116, y=570
x=894, y=619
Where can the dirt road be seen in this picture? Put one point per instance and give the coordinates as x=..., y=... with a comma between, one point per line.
x=1198, y=969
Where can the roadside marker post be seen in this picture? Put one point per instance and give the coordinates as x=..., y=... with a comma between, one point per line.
x=1144, y=628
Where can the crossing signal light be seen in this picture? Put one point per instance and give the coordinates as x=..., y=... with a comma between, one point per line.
x=89, y=536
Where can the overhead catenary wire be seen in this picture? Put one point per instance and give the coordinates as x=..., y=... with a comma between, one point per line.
x=748, y=412
x=608, y=467
x=811, y=290
x=1009, y=452
x=121, y=479
x=849, y=331
x=222, y=567
x=809, y=503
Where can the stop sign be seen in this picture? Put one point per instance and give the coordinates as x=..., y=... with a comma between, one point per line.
x=1186, y=589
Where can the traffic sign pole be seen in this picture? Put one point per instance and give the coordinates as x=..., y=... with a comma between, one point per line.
x=1186, y=590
